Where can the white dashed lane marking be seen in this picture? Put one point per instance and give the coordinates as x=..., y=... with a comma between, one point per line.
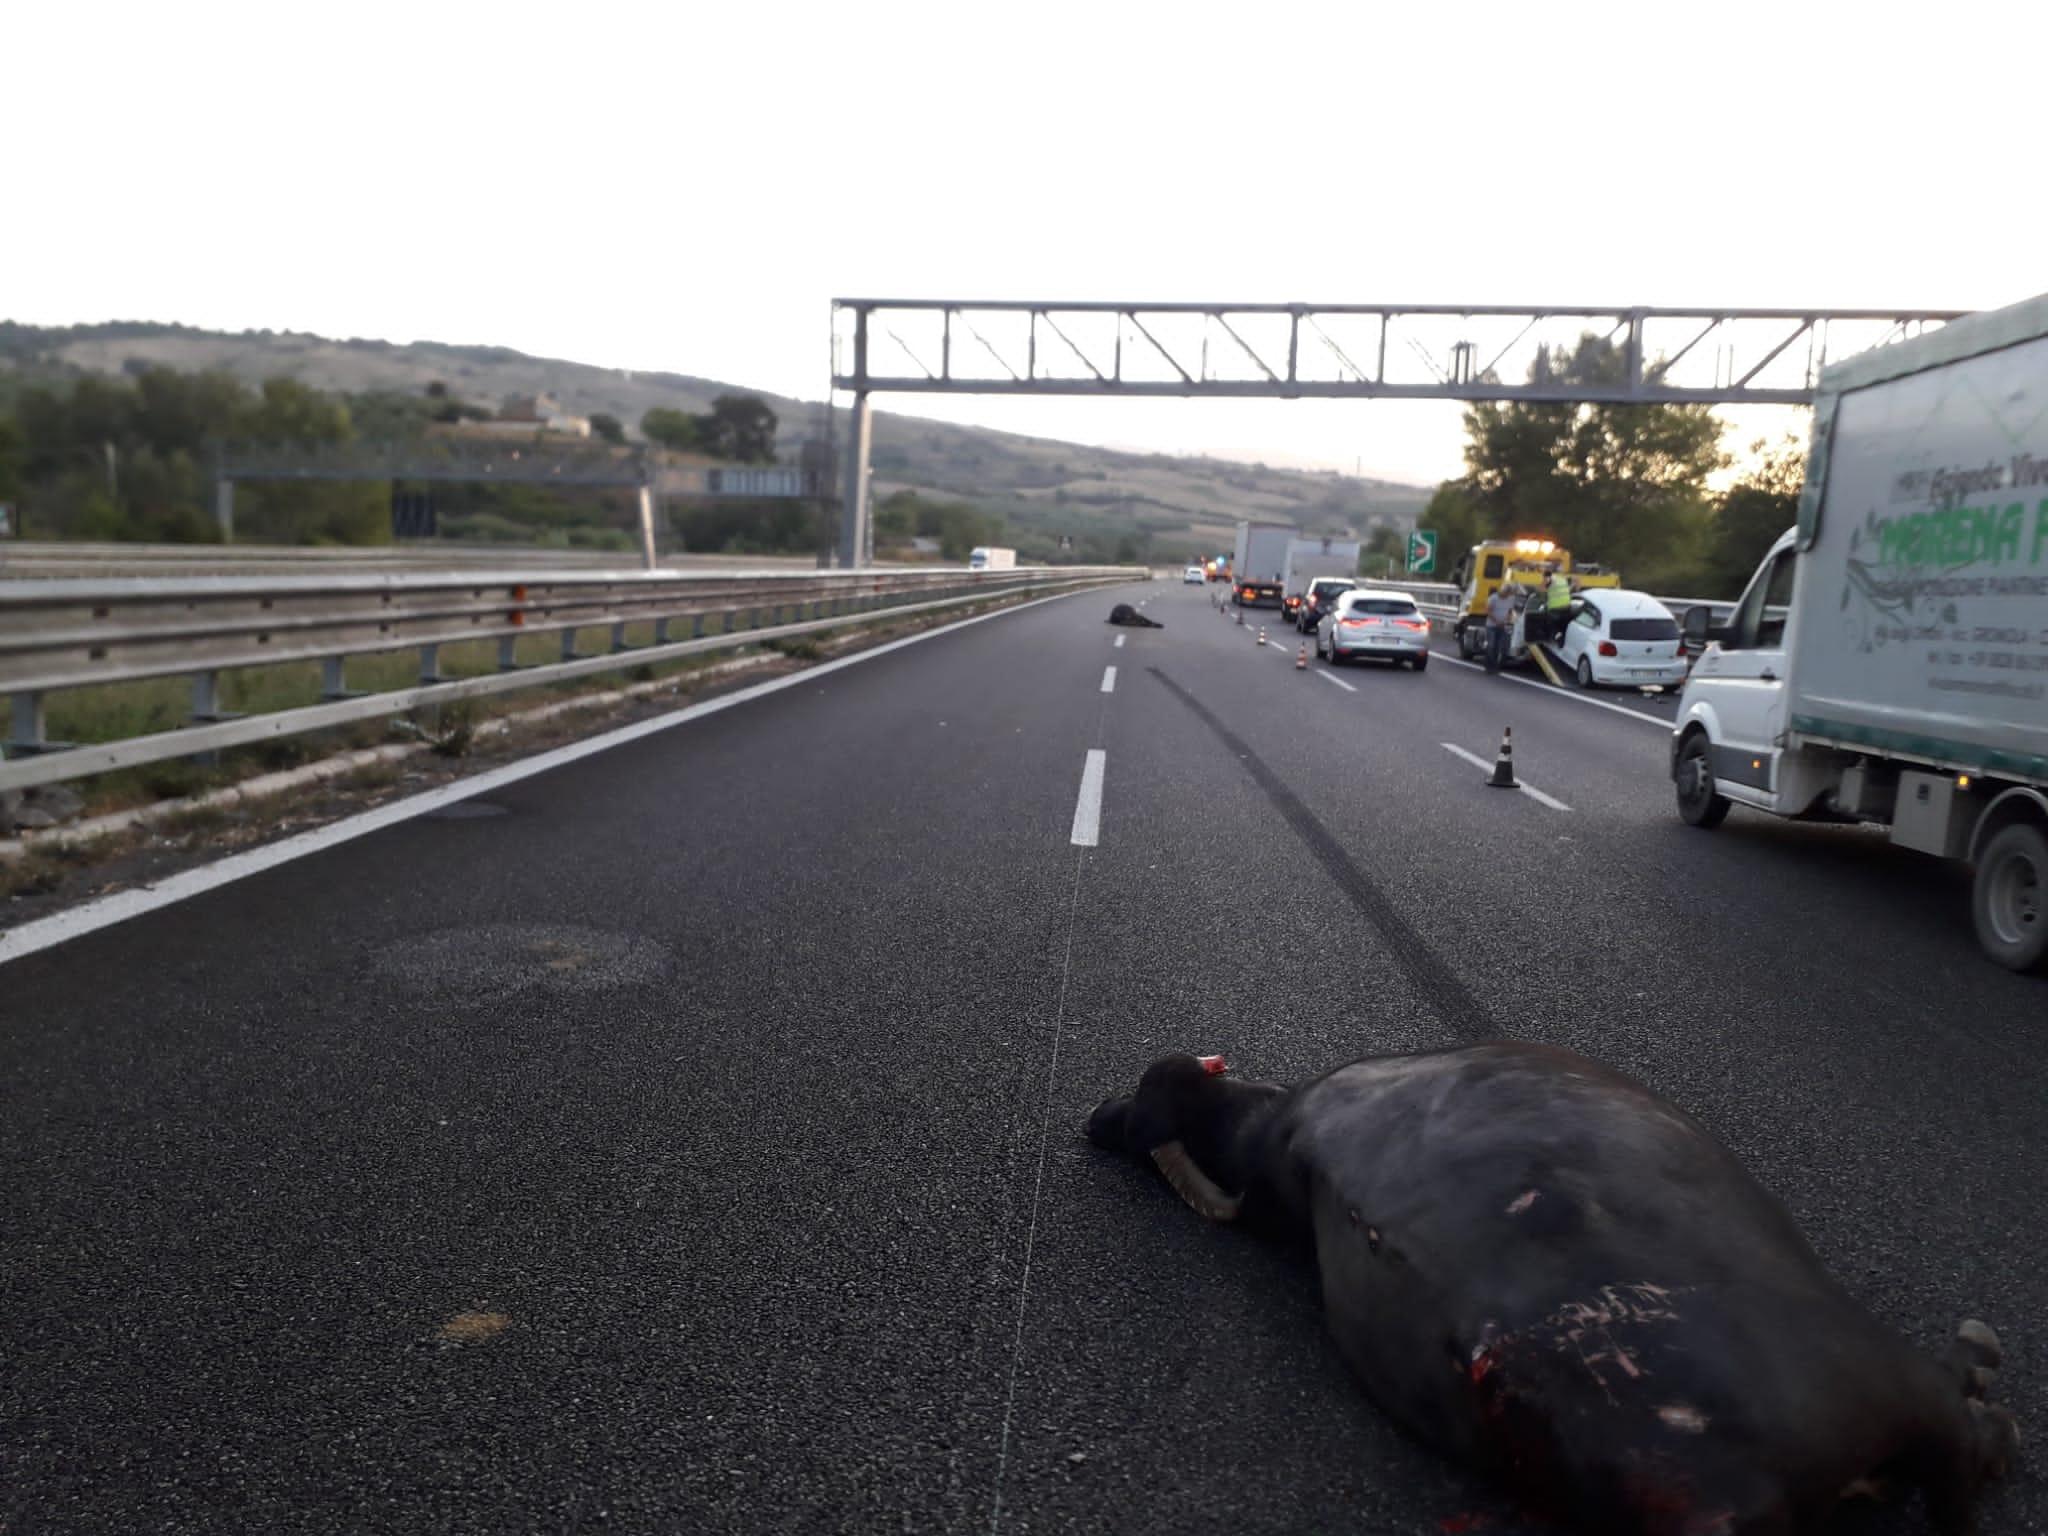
x=1331, y=677
x=1109, y=679
x=1479, y=762
x=1088, y=809
x=1562, y=693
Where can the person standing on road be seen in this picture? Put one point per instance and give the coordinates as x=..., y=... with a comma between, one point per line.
x=1559, y=600
x=1500, y=620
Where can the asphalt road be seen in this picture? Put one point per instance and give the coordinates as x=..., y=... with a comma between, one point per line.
x=688, y=1138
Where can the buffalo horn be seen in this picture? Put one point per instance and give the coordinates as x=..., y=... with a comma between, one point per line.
x=1193, y=1185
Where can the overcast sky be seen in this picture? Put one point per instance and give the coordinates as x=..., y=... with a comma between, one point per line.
x=687, y=186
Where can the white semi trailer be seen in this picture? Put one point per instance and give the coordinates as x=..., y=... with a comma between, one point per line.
x=1309, y=558
x=1888, y=662
x=1259, y=560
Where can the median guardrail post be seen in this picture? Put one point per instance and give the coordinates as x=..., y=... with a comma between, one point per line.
x=334, y=680
x=29, y=732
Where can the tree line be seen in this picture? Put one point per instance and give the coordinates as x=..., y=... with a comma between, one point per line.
x=1624, y=485
x=130, y=457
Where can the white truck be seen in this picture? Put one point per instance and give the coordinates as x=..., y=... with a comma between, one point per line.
x=989, y=558
x=1309, y=558
x=1259, y=562
x=1888, y=662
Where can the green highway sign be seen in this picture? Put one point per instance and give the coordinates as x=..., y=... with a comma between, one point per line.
x=1421, y=552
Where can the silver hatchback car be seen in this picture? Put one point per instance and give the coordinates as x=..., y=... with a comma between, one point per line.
x=1366, y=622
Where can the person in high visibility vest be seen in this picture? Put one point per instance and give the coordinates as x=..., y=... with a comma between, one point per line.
x=1558, y=599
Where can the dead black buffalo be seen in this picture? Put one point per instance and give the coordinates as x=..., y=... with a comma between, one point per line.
x=1125, y=614
x=1545, y=1270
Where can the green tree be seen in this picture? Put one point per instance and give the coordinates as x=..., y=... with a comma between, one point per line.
x=740, y=428
x=1385, y=543
x=1460, y=518
x=672, y=429
x=292, y=412
x=608, y=427
x=13, y=454
x=1752, y=513
x=1624, y=485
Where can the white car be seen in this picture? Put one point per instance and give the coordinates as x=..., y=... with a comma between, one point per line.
x=1622, y=639
x=1386, y=625
x=1192, y=574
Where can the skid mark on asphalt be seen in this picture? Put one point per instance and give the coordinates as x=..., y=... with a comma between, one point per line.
x=1462, y=1013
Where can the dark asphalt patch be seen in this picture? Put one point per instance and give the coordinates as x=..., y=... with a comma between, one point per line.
x=466, y=810
x=1462, y=1012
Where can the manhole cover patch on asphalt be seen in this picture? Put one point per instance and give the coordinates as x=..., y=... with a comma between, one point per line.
x=503, y=960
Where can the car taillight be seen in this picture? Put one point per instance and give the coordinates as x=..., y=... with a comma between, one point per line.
x=1608, y=648
x=1352, y=623
x=1413, y=623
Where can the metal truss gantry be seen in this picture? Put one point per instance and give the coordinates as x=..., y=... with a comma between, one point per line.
x=1327, y=351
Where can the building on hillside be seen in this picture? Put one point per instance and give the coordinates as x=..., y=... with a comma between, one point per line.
x=543, y=411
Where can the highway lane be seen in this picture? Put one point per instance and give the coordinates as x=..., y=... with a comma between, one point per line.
x=741, y=1070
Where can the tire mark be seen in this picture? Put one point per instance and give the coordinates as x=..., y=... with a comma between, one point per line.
x=1461, y=1009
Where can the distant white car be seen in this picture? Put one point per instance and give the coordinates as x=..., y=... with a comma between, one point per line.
x=1385, y=625
x=1624, y=640
x=1192, y=574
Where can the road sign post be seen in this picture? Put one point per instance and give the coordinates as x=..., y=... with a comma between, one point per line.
x=1422, y=552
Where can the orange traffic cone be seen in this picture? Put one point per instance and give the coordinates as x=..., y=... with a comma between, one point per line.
x=1301, y=658
x=1504, y=765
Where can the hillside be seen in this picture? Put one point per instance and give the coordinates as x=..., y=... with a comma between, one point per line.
x=1172, y=505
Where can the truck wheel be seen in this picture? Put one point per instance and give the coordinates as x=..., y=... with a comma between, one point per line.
x=1466, y=648
x=2009, y=898
x=1698, y=804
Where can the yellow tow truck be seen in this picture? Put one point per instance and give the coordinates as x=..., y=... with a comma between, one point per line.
x=1524, y=563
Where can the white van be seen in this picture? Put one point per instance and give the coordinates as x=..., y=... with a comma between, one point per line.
x=1888, y=662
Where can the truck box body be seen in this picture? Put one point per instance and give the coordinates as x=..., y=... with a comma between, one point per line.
x=989, y=558
x=1309, y=558
x=1888, y=662
x=1920, y=614
x=1260, y=561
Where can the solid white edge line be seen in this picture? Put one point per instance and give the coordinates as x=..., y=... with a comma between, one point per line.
x=91, y=916
x=1481, y=763
x=1562, y=693
x=1088, y=808
x=1331, y=677
x=1109, y=679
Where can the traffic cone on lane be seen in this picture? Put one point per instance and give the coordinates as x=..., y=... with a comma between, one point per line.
x=1301, y=658
x=1504, y=765
x=1262, y=634
x=1240, y=618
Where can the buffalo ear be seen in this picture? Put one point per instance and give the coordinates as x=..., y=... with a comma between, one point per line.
x=1194, y=1186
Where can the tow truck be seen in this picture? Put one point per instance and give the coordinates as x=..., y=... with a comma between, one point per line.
x=1522, y=563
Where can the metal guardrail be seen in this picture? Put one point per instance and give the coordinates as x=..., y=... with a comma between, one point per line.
x=1446, y=607
x=57, y=635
